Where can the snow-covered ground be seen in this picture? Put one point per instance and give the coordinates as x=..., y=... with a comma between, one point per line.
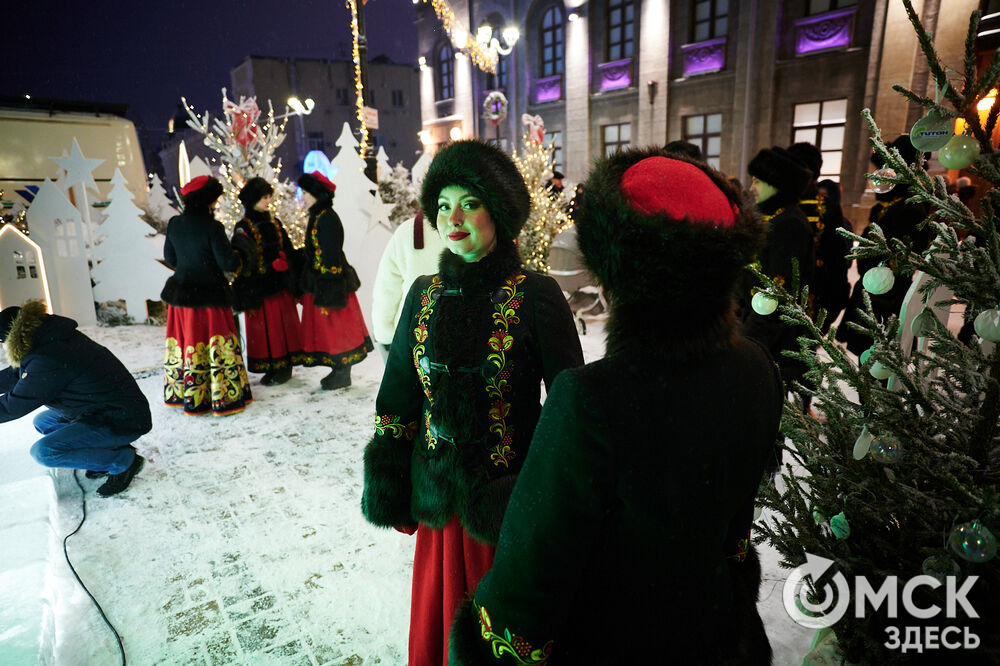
x=241, y=542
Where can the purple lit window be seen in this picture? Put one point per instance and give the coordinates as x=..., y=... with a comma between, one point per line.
x=704, y=57
x=548, y=89
x=826, y=31
x=615, y=75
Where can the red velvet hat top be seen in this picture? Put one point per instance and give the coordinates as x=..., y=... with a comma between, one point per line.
x=660, y=185
x=194, y=185
x=324, y=181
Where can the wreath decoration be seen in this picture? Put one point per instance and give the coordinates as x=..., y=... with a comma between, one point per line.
x=495, y=107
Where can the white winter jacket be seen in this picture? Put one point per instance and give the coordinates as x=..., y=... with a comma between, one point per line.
x=401, y=264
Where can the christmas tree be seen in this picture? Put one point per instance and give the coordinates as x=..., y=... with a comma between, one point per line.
x=246, y=149
x=899, y=476
x=394, y=187
x=549, y=208
x=127, y=254
x=159, y=208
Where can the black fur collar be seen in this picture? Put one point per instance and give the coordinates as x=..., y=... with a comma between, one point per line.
x=195, y=209
x=486, y=274
x=656, y=329
x=779, y=200
x=258, y=217
x=323, y=203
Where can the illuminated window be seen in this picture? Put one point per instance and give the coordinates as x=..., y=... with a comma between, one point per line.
x=621, y=29
x=705, y=131
x=554, y=139
x=820, y=6
x=445, y=72
x=822, y=124
x=615, y=137
x=552, y=42
x=710, y=19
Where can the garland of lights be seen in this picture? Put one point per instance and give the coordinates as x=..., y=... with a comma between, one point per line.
x=360, y=102
x=484, y=60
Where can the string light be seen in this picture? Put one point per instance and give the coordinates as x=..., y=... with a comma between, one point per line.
x=359, y=89
x=460, y=38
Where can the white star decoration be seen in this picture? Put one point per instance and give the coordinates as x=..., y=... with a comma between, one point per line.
x=78, y=168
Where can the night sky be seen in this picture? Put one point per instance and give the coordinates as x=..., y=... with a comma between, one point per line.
x=148, y=55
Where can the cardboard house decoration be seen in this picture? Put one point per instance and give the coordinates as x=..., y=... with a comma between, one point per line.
x=22, y=269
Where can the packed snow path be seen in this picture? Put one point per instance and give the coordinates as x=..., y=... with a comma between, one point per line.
x=241, y=542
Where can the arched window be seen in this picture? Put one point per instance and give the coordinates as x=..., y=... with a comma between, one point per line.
x=552, y=41
x=445, y=72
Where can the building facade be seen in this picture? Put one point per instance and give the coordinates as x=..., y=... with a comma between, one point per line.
x=730, y=76
x=394, y=93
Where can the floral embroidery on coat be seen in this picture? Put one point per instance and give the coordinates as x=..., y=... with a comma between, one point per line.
x=318, y=251
x=427, y=302
x=497, y=385
x=393, y=425
x=507, y=643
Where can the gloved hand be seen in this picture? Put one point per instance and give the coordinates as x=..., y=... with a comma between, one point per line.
x=246, y=248
x=405, y=529
x=281, y=263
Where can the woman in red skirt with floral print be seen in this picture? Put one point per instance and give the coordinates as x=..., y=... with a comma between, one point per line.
x=203, y=367
x=333, y=330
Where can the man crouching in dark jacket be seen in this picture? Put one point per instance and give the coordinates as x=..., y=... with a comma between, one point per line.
x=95, y=408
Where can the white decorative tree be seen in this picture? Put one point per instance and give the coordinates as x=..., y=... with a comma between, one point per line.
x=127, y=255
x=246, y=149
x=382, y=163
x=419, y=169
x=159, y=208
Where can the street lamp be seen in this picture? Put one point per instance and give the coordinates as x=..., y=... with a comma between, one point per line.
x=298, y=107
x=488, y=42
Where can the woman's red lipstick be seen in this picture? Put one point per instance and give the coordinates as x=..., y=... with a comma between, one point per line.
x=458, y=235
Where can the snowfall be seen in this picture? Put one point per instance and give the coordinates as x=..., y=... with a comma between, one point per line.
x=241, y=542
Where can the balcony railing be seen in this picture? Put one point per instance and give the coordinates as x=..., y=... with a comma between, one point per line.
x=615, y=74
x=704, y=57
x=823, y=32
x=548, y=89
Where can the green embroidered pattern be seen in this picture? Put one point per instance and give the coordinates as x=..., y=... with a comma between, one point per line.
x=390, y=423
x=427, y=302
x=516, y=646
x=318, y=251
x=431, y=440
x=497, y=385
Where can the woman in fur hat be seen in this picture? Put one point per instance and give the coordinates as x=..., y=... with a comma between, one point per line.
x=264, y=292
x=203, y=370
x=898, y=219
x=460, y=397
x=626, y=538
x=333, y=330
x=778, y=182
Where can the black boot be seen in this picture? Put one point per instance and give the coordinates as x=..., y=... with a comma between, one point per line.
x=281, y=375
x=119, y=482
x=268, y=378
x=95, y=474
x=337, y=379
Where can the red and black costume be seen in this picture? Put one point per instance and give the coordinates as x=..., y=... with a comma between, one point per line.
x=333, y=329
x=263, y=290
x=203, y=367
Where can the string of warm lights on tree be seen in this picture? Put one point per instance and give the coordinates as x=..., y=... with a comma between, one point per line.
x=358, y=86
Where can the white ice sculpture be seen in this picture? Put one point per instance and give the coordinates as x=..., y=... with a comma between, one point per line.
x=128, y=266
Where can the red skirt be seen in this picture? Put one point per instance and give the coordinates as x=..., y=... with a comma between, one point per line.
x=333, y=337
x=273, y=333
x=203, y=369
x=447, y=566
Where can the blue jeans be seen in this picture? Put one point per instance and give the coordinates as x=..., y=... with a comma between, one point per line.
x=78, y=445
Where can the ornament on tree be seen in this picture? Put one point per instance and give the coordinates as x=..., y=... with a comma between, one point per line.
x=960, y=151
x=931, y=132
x=818, y=516
x=879, y=371
x=973, y=542
x=840, y=527
x=924, y=323
x=880, y=180
x=886, y=449
x=987, y=325
x=878, y=280
x=535, y=127
x=862, y=444
x=941, y=567
x=242, y=118
x=763, y=304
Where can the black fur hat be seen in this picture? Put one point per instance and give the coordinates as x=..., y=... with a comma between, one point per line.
x=256, y=189
x=487, y=172
x=318, y=185
x=776, y=167
x=668, y=238
x=808, y=156
x=198, y=197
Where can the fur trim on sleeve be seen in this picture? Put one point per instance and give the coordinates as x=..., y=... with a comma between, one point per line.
x=385, y=500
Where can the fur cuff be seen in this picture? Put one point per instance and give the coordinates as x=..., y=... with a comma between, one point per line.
x=482, y=511
x=385, y=500
x=466, y=644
